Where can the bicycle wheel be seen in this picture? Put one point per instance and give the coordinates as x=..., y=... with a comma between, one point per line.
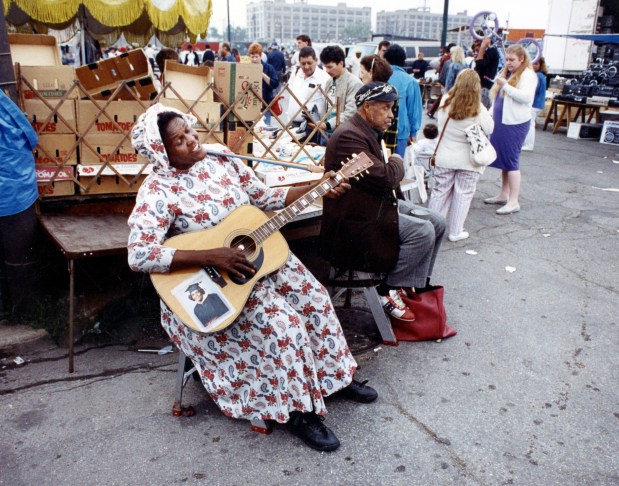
x=486, y=22
x=533, y=47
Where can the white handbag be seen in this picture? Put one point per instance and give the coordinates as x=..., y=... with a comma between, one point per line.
x=482, y=152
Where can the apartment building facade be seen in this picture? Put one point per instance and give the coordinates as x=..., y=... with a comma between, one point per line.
x=420, y=23
x=280, y=20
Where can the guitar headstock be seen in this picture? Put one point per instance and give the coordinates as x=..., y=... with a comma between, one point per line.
x=356, y=165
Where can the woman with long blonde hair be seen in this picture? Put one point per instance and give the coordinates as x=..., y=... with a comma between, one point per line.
x=513, y=94
x=456, y=176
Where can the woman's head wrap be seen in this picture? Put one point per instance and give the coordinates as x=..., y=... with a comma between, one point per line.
x=146, y=138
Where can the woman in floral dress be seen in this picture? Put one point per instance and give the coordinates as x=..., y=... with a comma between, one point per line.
x=286, y=351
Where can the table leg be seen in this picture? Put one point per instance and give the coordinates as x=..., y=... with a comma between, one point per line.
x=559, y=119
x=71, y=310
x=593, y=112
x=552, y=109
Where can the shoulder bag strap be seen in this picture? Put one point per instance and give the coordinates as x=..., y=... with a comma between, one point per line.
x=433, y=158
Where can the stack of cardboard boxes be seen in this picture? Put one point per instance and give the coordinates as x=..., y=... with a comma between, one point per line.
x=43, y=72
x=85, y=141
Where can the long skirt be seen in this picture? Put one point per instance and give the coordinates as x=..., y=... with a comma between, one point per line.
x=284, y=353
x=507, y=139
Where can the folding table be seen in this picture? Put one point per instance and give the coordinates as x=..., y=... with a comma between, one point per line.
x=82, y=236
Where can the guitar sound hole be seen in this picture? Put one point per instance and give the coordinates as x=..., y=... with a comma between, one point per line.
x=245, y=244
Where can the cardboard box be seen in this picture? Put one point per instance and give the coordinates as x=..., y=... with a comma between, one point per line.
x=584, y=130
x=38, y=112
x=237, y=138
x=52, y=181
x=124, y=113
x=189, y=81
x=34, y=49
x=53, y=149
x=273, y=175
x=49, y=82
x=102, y=78
x=106, y=146
x=610, y=132
x=208, y=113
x=231, y=79
x=108, y=182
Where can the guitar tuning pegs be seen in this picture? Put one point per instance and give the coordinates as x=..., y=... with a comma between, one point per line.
x=343, y=163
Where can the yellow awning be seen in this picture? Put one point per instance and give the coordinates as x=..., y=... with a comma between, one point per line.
x=164, y=15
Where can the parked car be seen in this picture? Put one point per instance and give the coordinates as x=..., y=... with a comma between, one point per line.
x=430, y=49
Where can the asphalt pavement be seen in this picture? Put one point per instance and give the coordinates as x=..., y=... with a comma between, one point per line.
x=526, y=393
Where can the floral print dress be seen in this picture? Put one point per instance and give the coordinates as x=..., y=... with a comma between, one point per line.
x=286, y=350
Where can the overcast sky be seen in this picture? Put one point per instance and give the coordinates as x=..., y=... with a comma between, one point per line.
x=530, y=14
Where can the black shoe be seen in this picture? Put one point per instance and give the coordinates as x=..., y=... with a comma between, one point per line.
x=309, y=428
x=358, y=392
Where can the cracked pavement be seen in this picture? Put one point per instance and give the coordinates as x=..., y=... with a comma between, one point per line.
x=526, y=393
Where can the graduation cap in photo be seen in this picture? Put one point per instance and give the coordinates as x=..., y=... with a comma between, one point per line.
x=193, y=287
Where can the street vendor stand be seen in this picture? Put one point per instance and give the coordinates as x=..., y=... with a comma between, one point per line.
x=561, y=113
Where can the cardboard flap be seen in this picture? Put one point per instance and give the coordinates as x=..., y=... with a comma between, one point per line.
x=35, y=49
x=124, y=169
x=45, y=173
x=188, y=81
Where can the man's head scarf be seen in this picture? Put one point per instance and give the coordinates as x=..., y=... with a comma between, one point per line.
x=376, y=91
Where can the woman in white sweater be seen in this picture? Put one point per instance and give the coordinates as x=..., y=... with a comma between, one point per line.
x=513, y=95
x=455, y=174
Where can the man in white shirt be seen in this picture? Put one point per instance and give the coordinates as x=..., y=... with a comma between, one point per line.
x=304, y=85
x=302, y=41
x=355, y=65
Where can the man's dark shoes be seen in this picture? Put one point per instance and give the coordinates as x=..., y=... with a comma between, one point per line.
x=358, y=392
x=310, y=428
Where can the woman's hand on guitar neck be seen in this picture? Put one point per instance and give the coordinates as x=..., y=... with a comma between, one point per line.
x=226, y=259
x=295, y=193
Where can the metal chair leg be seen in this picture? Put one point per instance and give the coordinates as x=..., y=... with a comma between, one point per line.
x=382, y=321
x=182, y=376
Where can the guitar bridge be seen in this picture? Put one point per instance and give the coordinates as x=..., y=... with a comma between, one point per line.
x=215, y=276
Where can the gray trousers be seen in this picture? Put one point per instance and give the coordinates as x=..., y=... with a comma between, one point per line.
x=421, y=235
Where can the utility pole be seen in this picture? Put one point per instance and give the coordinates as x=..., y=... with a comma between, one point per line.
x=229, y=35
x=445, y=17
x=7, y=74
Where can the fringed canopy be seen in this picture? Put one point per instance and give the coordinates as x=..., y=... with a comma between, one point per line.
x=139, y=20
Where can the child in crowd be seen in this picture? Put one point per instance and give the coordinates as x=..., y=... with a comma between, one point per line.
x=424, y=149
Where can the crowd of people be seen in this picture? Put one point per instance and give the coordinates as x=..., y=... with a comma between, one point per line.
x=286, y=353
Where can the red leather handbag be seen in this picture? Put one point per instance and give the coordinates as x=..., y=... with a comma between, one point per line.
x=430, y=317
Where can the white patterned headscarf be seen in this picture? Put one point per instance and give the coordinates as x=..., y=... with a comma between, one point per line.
x=146, y=138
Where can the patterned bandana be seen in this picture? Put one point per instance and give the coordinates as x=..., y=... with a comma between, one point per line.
x=375, y=91
x=146, y=139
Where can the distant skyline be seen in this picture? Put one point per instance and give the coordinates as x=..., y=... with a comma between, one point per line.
x=531, y=14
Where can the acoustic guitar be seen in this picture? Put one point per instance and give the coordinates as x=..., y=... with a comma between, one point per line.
x=247, y=229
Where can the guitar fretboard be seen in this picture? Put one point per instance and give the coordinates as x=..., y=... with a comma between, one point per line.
x=285, y=216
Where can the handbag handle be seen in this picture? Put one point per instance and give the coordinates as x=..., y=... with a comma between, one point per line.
x=433, y=158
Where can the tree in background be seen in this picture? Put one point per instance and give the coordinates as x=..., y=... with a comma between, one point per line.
x=358, y=32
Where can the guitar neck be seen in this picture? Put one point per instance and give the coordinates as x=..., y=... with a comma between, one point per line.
x=293, y=210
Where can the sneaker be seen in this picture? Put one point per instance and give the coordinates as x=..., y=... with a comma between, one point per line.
x=394, y=306
x=463, y=235
x=310, y=428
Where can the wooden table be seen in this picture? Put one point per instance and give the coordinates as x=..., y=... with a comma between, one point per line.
x=81, y=236
x=564, y=117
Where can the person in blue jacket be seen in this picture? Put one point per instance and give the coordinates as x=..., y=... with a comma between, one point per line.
x=539, y=101
x=18, y=193
x=409, y=105
x=270, y=79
